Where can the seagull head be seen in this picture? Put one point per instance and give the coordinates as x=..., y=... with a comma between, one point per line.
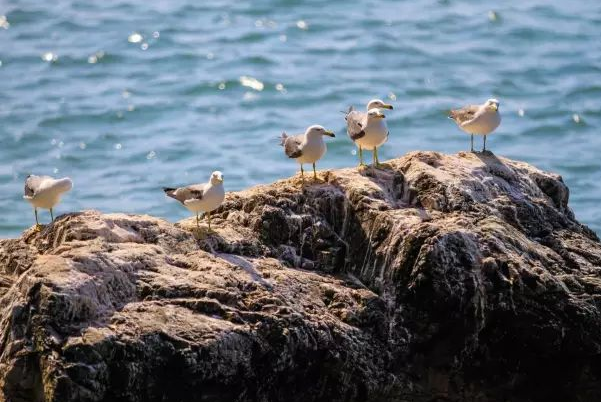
x=375, y=114
x=315, y=131
x=492, y=104
x=378, y=104
x=216, y=177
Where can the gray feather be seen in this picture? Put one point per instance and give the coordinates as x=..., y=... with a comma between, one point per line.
x=292, y=145
x=354, y=124
x=464, y=114
x=183, y=194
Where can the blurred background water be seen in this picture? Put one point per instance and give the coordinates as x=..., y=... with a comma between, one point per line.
x=125, y=96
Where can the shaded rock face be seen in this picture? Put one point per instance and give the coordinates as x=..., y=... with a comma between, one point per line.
x=439, y=278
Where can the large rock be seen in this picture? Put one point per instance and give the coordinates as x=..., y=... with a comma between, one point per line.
x=440, y=278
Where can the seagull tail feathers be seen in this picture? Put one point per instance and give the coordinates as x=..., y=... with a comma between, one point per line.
x=169, y=191
x=350, y=109
x=283, y=138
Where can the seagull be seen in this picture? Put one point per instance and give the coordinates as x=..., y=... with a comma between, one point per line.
x=306, y=148
x=478, y=119
x=368, y=130
x=45, y=192
x=200, y=197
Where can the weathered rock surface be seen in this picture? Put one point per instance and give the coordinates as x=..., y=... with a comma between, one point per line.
x=440, y=278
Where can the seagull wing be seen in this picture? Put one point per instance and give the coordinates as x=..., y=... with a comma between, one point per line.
x=292, y=146
x=187, y=193
x=355, y=124
x=464, y=114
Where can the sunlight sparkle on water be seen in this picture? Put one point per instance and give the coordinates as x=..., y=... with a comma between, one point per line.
x=4, y=22
x=135, y=38
x=49, y=57
x=300, y=24
x=280, y=87
x=95, y=57
x=251, y=82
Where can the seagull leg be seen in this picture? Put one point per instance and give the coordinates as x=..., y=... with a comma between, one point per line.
x=38, y=227
x=484, y=149
x=51, y=216
x=209, y=218
x=361, y=162
x=197, y=221
x=302, y=173
x=472, y=142
x=314, y=172
x=376, y=156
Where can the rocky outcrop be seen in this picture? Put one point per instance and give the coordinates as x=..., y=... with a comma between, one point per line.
x=438, y=278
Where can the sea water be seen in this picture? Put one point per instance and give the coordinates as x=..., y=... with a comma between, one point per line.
x=127, y=96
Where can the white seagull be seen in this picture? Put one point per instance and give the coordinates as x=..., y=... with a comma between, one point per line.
x=200, y=197
x=478, y=119
x=306, y=148
x=45, y=192
x=368, y=130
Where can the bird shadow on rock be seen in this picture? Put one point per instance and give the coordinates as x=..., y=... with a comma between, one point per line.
x=496, y=166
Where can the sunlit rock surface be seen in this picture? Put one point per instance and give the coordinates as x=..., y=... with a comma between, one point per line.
x=437, y=278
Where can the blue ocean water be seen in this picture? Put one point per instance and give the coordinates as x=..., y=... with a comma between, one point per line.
x=126, y=96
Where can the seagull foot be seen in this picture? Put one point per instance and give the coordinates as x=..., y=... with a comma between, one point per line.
x=38, y=228
x=199, y=234
x=382, y=166
x=202, y=232
x=362, y=167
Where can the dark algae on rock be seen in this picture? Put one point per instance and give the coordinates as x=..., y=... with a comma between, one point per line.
x=440, y=278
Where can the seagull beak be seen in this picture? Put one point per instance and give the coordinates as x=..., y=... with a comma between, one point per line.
x=330, y=133
x=387, y=106
x=495, y=107
x=381, y=116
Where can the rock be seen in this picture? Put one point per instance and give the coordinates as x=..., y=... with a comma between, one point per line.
x=440, y=278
